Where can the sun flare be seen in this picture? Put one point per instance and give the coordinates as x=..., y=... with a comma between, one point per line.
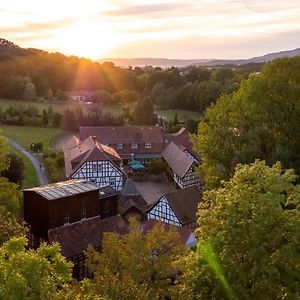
x=86, y=39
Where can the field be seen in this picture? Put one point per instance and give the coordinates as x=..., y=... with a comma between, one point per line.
x=25, y=136
x=183, y=115
x=115, y=109
x=58, y=106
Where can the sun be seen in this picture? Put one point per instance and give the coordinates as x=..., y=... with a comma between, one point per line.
x=91, y=39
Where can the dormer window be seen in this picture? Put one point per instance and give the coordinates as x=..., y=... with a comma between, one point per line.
x=148, y=145
x=134, y=145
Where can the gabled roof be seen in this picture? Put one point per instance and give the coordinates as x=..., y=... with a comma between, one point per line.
x=87, y=150
x=64, y=189
x=177, y=159
x=129, y=189
x=76, y=237
x=123, y=134
x=184, y=203
x=130, y=197
x=182, y=139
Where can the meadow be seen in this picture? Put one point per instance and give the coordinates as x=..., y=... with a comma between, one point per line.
x=25, y=135
x=115, y=109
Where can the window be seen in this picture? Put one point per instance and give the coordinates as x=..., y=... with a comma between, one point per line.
x=112, y=182
x=148, y=145
x=120, y=146
x=93, y=179
x=66, y=218
x=134, y=145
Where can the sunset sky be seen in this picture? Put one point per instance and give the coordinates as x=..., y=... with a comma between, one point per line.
x=151, y=28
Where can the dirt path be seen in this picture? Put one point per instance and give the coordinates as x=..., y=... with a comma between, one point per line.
x=40, y=171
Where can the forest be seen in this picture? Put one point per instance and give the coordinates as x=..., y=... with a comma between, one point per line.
x=32, y=73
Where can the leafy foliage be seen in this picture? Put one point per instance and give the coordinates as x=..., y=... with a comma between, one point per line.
x=136, y=266
x=9, y=226
x=249, y=236
x=261, y=121
x=39, y=274
x=15, y=171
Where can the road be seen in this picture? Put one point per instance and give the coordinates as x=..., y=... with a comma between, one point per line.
x=35, y=162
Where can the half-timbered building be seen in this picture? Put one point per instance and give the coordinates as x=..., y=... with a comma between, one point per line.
x=93, y=161
x=182, y=165
x=178, y=207
x=141, y=143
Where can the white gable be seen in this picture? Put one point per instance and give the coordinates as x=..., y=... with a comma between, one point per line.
x=163, y=212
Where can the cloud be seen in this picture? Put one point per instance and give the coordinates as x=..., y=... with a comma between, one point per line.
x=143, y=10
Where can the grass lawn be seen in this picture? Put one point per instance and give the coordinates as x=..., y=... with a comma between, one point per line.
x=183, y=115
x=115, y=109
x=59, y=106
x=30, y=179
x=25, y=135
x=40, y=105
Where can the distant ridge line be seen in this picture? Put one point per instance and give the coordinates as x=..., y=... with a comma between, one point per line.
x=167, y=62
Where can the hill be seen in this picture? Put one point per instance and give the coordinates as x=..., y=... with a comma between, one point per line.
x=165, y=62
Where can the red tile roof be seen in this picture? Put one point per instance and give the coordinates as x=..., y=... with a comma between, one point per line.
x=112, y=135
x=75, y=238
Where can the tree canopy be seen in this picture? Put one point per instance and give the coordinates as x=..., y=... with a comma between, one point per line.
x=28, y=274
x=261, y=120
x=137, y=266
x=249, y=237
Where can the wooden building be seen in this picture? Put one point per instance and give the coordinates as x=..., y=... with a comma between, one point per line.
x=182, y=164
x=93, y=161
x=141, y=143
x=74, y=213
x=178, y=207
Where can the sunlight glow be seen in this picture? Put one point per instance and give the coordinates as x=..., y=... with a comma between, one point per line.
x=156, y=28
x=86, y=38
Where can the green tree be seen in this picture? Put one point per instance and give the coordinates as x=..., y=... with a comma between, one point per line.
x=143, y=113
x=15, y=171
x=137, y=266
x=9, y=226
x=27, y=274
x=249, y=237
x=45, y=117
x=261, y=120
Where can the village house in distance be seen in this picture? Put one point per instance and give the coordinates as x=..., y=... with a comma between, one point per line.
x=93, y=161
x=141, y=143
